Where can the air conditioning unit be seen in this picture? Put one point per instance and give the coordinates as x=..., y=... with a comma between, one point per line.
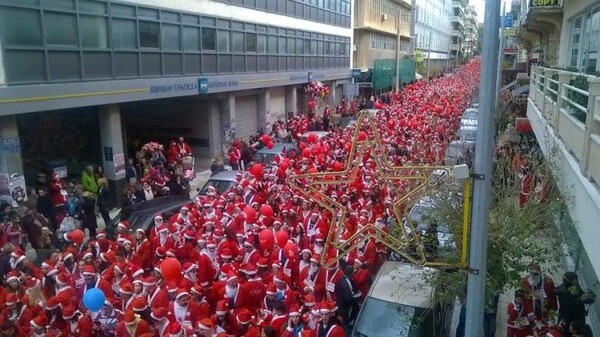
x=384, y=17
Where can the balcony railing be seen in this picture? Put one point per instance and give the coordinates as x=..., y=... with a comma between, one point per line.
x=573, y=113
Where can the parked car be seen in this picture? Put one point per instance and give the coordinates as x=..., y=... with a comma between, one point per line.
x=319, y=134
x=222, y=182
x=458, y=152
x=468, y=125
x=142, y=215
x=266, y=156
x=400, y=303
x=422, y=216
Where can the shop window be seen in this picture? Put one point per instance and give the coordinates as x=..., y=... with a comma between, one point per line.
x=251, y=46
x=123, y=34
x=170, y=37
x=237, y=42
x=94, y=31
x=61, y=29
x=191, y=38
x=148, y=34
x=208, y=38
x=223, y=41
x=21, y=27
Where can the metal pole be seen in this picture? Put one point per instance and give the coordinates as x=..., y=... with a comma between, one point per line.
x=398, y=50
x=429, y=53
x=501, y=53
x=482, y=174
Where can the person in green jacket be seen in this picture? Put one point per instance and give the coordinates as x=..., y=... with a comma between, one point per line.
x=89, y=181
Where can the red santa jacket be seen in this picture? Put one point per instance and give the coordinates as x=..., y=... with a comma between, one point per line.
x=81, y=328
x=229, y=323
x=22, y=319
x=189, y=314
x=58, y=193
x=240, y=299
x=277, y=322
x=143, y=255
x=316, y=282
x=101, y=284
x=550, y=300
x=256, y=290
x=159, y=298
x=207, y=269
x=517, y=322
x=331, y=279
x=362, y=280
x=368, y=252
x=331, y=331
x=142, y=327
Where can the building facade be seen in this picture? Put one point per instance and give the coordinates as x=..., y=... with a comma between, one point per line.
x=564, y=110
x=88, y=82
x=471, y=32
x=433, y=21
x=459, y=10
x=377, y=24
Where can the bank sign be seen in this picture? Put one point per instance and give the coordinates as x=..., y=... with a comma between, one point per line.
x=545, y=3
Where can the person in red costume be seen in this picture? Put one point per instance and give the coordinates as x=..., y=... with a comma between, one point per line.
x=17, y=312
x=245, y=326
x=235, y=294
x=361, y=278
x=183, y=310
x=326, y=326
x=80, y=325
x=157, y=296
x=312, y=279
x=539, y=291
x=255, y=288
x=142, y=255
x=520, y=315
x=206, y=328
x=93, y=280
x=184, y=149
x=132, y=326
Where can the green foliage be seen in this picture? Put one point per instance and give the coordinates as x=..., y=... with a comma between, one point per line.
x=419, y=62
x=579, y=82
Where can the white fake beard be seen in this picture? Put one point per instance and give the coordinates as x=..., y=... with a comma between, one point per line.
x=318, y=249
x=193, y=277
x=312, y=269
x=534, y=281
x=163, y=239
x=230, y=292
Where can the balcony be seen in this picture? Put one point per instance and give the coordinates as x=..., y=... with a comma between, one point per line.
x=566, y=122
x=459, y=19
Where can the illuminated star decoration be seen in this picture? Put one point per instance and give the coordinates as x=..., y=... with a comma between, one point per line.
x=407, y=183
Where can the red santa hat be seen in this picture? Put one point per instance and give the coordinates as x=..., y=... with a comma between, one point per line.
x=159, y=314
x=263, y=262
x=139, y=304
x=226, y=254
x=140, y=230
x=129, y=317
x=309, y=300
x=69, y=312
x=231, y=276
x=244, y=316
x=88, y=270
x=188, y=267
x=221, y=308
x=197, y=290
x=294, y=310
x=205, y=324
x=163, y=228
x=250, y=269
x=326, y=307
x=211, y=244
x=149, y=281
x=39, y=322
x=123, y=224
x=279, y=277
x=189, y=234
x=315, y=258
x=51, y=271
x=13, y=275
x=87, y=254
x=271, y=289
x=181, y=293
x=62, y=279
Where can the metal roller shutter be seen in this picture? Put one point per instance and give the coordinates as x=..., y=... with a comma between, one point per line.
x=246, y=116
x=166, y=119
x=216, y=129
x=339, y=91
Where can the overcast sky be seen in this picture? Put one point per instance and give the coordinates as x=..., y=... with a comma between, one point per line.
x=479, y=7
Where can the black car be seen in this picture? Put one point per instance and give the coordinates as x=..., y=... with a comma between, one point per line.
x=142, y=215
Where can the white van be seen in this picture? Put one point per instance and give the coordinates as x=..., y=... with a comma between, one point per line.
x=400, y=303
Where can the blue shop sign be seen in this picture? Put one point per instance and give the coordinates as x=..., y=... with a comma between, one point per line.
x=178, y=87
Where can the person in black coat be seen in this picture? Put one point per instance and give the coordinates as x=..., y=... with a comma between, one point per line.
x=46, y=208
x=104, y=200
x=347, y=299
x=572, y=299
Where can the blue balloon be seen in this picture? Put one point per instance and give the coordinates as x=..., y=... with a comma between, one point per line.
x=93, y=299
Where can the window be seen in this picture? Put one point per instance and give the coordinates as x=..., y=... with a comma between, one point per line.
x=237, y=42
x=171, y=37
x=291, y=46
x=61, y=29
x=251, y=43
x=272, y=45
x=94, y=31
x=299, y=46
x=282, y=45
x=261, y=44
x=191, y=38
x=208, y=38
x=223, y=41
x=21, y=27
x=123, y=34
x=148, y=34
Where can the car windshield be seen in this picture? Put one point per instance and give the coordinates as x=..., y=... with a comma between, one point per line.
x=220, y=185
x=382, y=318
x=468, y=133
x=264, y=158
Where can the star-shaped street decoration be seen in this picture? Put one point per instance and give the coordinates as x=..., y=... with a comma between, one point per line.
x=407, y=183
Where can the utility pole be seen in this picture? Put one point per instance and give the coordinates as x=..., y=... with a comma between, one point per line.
x=482, y=174
x=501, y=51
x=398, y=50
x=429, y=53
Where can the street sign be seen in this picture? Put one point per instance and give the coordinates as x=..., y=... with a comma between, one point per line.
x=203, y=85
x=356, y=73
x=544, y=3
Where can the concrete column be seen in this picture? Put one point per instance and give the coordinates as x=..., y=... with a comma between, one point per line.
x=332, y=93
x=11, y=163
x=228, y=119
x=291, y=100
x=113, y=149
x=264, y=109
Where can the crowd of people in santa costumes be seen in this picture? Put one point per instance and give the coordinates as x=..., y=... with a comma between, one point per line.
x=244, y=263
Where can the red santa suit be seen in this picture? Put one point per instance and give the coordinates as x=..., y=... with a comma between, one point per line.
x=278, y=321
x=252, y=257
x=58, y=192
x=331, y=330
x=81, y=328
x=362, y=280
x=143, y=255
x=173, y=153
x=22, y=317
x=256, y=290
x=518, y=324
x=238, y=300
x=315, y=282
x=208, y=267
x=159, y=298
x=184, y=149
x=140, y=328
x=331, y=279
x=101, y=284
x=185, y=314
x=540, y=295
